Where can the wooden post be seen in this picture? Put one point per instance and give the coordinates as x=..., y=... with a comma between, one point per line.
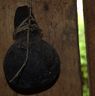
x=58, y=20
x=89, y=14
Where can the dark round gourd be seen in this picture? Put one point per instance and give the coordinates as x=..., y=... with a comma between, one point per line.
x=42, y=67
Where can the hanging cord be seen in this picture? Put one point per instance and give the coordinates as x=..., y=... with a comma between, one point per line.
x=27, y=51
x=25, y=62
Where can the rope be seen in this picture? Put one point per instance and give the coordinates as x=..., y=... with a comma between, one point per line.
x=20, y=28
x=27, y=52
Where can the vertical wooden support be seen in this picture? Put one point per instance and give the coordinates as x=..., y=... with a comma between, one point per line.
x=89, y=14
x=58, y=20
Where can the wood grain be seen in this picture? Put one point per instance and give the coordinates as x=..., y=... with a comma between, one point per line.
x=89, y=14
x=58, y=20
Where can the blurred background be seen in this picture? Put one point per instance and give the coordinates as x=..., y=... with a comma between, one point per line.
x=82, y=45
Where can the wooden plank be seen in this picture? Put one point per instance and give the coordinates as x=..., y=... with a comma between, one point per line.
x=89, y=14
x=58, y=20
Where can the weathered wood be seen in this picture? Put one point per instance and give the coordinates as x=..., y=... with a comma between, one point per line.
x=58, y=20
x=89, y=14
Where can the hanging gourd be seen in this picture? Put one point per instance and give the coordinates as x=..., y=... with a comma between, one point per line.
x=31, y=64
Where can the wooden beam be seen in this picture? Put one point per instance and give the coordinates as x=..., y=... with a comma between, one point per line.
x=89, y=14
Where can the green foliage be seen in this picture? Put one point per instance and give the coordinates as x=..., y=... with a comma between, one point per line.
x=83, y=58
